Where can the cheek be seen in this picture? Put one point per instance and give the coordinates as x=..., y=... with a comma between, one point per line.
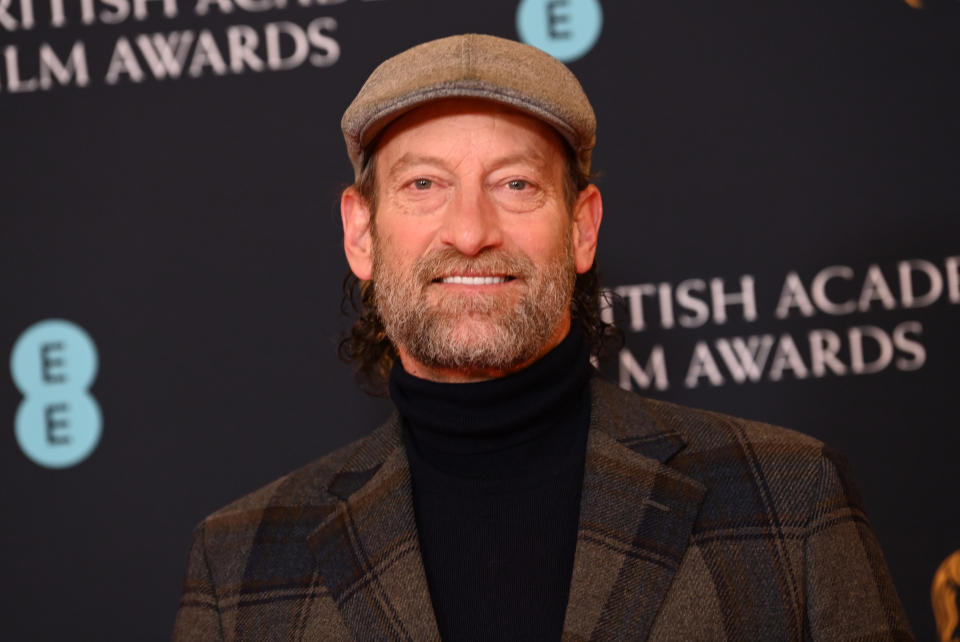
x=543, y=243
x=396, y=251
x=405, y=236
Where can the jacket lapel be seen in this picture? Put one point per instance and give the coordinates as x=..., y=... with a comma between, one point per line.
x=636, y=516
x=368, y=547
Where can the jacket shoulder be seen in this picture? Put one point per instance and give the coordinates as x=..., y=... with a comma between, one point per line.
x=779, y=516
x=755, y=466
x=305, y=487
x=700, y=429
x=259, y=542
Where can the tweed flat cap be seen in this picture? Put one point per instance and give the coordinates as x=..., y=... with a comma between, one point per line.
x=478, y=66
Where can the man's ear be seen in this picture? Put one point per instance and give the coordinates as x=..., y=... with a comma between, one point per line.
x=357, y=240
x=587, y=214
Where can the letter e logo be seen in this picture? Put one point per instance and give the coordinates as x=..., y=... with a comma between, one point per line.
x=58, y=423
x=565, y=29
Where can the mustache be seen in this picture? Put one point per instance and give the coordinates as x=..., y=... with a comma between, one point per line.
x=494, y=262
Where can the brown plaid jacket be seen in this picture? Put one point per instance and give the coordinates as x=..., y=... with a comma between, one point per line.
x=693, y=526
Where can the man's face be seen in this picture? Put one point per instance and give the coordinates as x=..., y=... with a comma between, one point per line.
x=472, y=248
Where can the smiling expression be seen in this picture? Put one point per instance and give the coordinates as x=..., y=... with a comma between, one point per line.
x=473, y=249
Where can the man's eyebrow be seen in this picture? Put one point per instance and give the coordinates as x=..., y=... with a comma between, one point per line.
x=532, y=156
x=409, y=159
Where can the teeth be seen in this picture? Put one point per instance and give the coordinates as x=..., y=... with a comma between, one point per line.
x=474, y=280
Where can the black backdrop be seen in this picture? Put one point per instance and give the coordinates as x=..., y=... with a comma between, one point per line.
x=189, y=225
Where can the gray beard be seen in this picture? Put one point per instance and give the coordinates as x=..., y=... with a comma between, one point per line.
x=483, y=331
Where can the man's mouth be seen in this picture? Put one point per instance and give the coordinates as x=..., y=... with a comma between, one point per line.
x=474, y=280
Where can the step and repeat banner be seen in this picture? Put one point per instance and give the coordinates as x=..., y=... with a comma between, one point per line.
x=782, y=227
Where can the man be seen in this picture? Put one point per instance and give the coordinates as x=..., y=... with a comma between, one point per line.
x=514, y=495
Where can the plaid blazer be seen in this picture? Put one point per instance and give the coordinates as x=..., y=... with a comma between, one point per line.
x=693, y=526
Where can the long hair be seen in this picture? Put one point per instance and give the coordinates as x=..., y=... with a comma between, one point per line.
x=371, y=351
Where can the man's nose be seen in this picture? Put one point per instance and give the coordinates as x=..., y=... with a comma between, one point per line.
x=472, y=223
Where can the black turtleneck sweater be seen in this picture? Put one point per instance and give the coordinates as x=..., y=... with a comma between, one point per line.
x=497, y=468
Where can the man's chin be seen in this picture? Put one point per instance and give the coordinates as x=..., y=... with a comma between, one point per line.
x=475, y=332
x=479, y=306
x=473, y=342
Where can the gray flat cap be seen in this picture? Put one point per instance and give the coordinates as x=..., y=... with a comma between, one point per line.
x=478, y=66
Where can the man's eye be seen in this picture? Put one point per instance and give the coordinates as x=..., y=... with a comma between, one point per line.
x=422, y=183
x=517, y=184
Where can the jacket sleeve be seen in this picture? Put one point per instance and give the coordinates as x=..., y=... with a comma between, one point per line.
x=850, y=594
x=198, y=617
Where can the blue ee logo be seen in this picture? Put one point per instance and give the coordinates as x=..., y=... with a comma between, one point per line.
x=565, y=29
x=58, y=423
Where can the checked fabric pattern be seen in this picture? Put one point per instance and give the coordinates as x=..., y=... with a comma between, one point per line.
x=693, y=526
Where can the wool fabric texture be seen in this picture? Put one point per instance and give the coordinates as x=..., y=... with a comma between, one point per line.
x=476, y=66
x=693, y=526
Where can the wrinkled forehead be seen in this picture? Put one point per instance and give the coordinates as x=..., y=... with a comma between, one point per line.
x=469, y=127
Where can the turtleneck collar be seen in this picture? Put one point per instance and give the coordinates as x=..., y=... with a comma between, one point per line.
x=496, y=472
x=497, y=427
